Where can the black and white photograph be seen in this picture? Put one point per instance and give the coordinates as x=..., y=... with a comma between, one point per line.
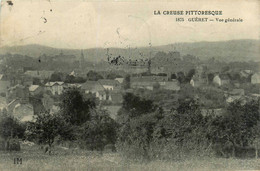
x=129, y=85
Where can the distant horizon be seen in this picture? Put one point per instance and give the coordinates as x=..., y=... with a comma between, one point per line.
x=129, y=47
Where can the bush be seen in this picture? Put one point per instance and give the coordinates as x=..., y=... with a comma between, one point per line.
x=99, y=131
x=14, y=145
x=10, y=145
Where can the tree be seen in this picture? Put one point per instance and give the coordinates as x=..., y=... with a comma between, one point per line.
x=181, y=77
x=235, y=129
x=256, y=138
x=156, y=86
x=135, y=105
x=99, y=131
x=210, y=77
x=69, y=79
x=190, y=75
x=127, y=82
x=37, y=81
x=93, y=76
x=56, y=76
x=74, y=107
x=45, y=129
x=113, y=76
x=10, y=127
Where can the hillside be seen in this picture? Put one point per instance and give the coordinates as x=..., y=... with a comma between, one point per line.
x=234, y=50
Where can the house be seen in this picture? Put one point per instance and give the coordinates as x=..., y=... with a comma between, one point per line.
x=120, y=80
x=195, y=82
x=73, y=85
x=56, y=88
x=3, y=104
x=148, y=82
x=157, y=69
x=171, y=85
x=4, y=85
x=224, y=79
x=23, y=112
x=26, y=80
x=217, y=80
x=235, y=94
x=109, y=84
x=143, y=84
x=18, y=92
x=192, y=82
x=28, y=118
x=231, y=99
x=35, y=89
x=12, y=104
x=255, y=78
x=245, y=73
x=95, y=88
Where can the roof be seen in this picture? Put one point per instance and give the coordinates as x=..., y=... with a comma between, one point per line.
x=33, y=87
x=149, y=79
x=41, y=74
x=2, y=103
x=74, y=85
x=49, y=84
x=172, y=85
x=28, y=118
x=17, y=86
x=92, y=86
x=72, y=73
x=230, y=99
x=108, y=82
x=142, y=83
x=120, y=80
x=257, y=74
x=245, y=73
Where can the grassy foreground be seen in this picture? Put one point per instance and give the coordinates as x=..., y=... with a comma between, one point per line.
x=34, y=159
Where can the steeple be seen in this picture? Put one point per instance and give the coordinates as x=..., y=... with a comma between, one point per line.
x=82, y=56
x=82, y=59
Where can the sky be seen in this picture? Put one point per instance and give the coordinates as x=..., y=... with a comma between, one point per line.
x=82, y=24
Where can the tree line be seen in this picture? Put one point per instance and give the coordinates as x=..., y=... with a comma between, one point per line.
x=142, y=128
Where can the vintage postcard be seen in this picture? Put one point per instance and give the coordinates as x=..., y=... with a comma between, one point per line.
x=129, y=85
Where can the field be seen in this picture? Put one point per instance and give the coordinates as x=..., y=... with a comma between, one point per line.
x=75, y=159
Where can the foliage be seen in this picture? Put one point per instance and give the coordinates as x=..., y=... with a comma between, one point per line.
x=93, y=76
x=156, y=86
x=57, y=76
x=190, y=74
x=99, y=131
x=46, y=128
x=73, y=79
x=74, y=107
x=113, y=76
x=135, y=106
x=127, y=82
x=10, y=127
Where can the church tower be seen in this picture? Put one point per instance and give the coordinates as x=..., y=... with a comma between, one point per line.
x=82, y=59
